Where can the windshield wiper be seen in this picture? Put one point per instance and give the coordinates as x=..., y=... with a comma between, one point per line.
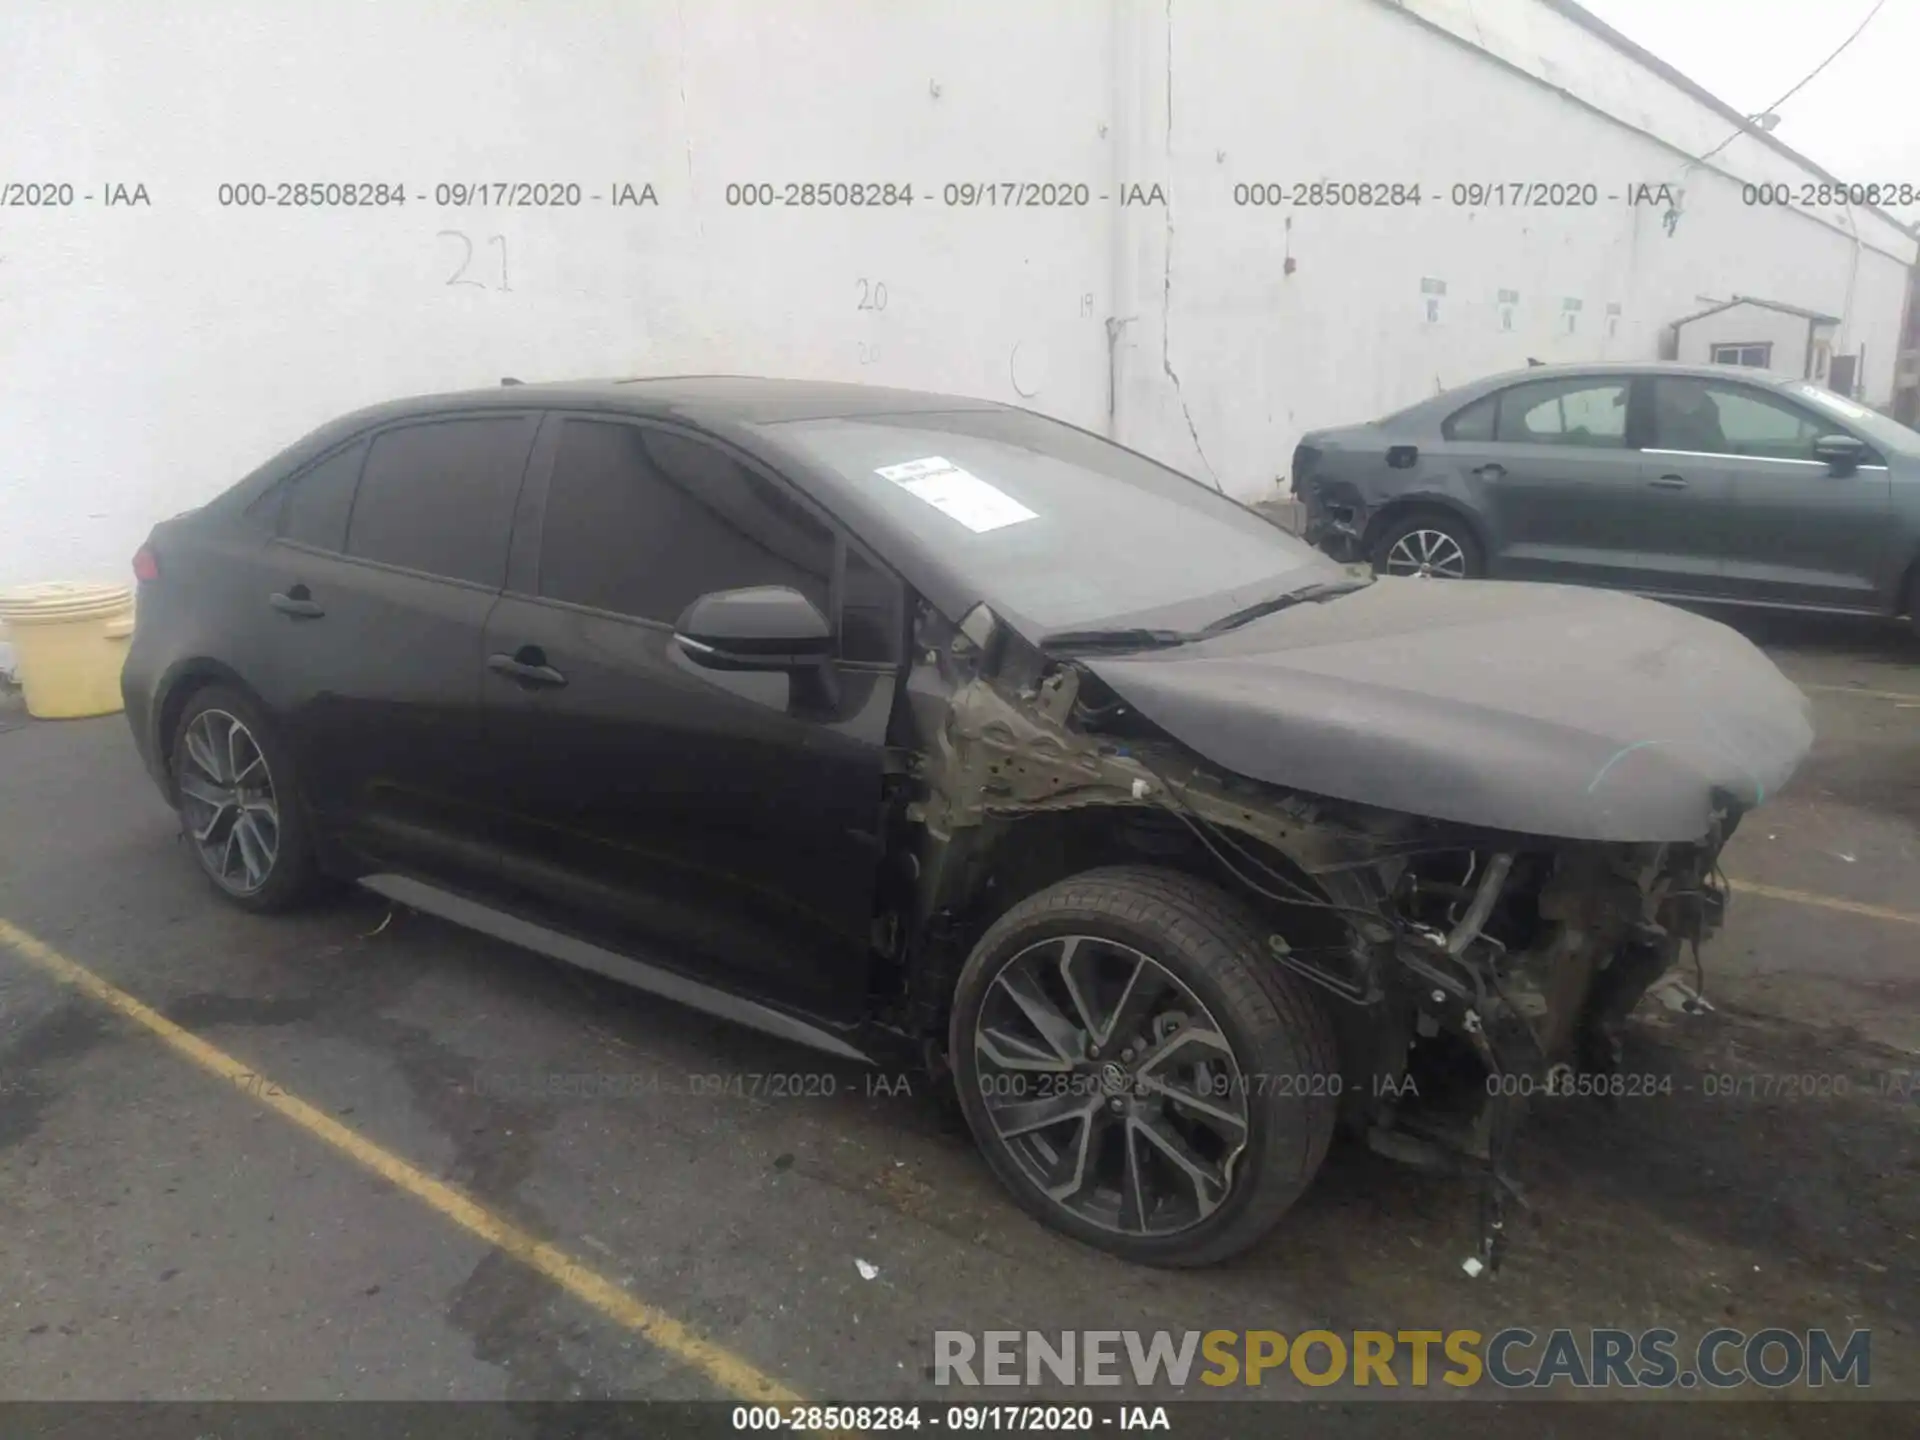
x=1140, y=637
x=1325, y=590
x=1134, y=637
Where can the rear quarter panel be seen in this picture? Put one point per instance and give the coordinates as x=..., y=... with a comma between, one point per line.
x=206, y=618
x=1352, y=478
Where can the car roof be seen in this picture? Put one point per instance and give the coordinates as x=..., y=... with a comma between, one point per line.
x=1629, y=367
x=719, y=400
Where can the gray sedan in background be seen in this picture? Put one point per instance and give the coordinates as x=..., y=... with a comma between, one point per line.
x=1677, y=481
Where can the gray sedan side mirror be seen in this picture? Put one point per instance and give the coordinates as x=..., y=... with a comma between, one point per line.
x=764, y=627
x=1843, y=453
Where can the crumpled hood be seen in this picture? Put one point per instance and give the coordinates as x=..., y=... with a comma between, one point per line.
x=1543, y=709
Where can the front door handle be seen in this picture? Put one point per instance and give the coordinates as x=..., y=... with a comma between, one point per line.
x=528, y=665
x=1668, y=482
x=297, y=602
x=1492, y=470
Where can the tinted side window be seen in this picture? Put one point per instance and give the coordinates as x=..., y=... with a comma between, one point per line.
x=264, y=511
x=1578, y=411
x=643, y=522
x=439, y=497
x=317, y=501
x=1475, y=422
x=1690, y=414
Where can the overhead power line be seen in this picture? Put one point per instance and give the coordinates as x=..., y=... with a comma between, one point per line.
x=1807, y=80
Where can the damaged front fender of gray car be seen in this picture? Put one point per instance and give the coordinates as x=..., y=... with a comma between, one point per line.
x=1462, y=968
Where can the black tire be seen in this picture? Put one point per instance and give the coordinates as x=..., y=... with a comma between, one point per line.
x=1401, y=541
x=292, y=876
x=1280, y=1038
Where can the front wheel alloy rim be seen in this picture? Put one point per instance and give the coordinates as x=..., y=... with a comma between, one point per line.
x=1111, y=1085
x=227, y=801
x=1429, y=554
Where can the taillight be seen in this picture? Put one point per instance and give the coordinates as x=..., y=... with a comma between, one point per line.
x=146, y=565
x=1305, y=457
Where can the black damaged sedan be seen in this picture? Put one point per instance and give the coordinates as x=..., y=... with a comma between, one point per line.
x=894, y=723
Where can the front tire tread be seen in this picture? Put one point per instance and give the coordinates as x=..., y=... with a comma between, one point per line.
x=1189, y=925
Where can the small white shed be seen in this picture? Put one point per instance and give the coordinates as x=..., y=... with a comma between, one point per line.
x=1767, y=335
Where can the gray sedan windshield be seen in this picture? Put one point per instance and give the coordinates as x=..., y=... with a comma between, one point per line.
x=1055, y=524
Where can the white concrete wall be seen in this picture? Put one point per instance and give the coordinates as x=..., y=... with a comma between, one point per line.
x=1383, y=94
x=150, y=355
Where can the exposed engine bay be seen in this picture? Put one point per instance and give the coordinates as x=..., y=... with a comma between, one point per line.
x=1469, y=971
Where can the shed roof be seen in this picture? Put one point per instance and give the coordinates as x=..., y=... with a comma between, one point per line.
x=1818, y=317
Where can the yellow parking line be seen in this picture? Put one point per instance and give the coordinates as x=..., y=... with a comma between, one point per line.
x=1825, y=902
x=1899, y=697
x=659, y=1329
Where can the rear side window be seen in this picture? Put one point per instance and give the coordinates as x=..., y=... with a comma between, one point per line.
x=1475, y=422
x=265, y=507
x=439, y=497
x=643, y=522
x=318, y=500
x=1583, y=412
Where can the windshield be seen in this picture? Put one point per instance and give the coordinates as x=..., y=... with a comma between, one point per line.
x=1055, y=525
x=1883, y=431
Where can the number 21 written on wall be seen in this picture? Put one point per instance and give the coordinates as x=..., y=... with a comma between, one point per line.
x=466, y=273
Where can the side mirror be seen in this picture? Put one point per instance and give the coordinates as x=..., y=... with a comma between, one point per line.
x=765, y=627
x=1843, y=453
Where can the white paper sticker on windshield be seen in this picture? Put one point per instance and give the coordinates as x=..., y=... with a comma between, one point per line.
x=952, y=491
x=913, y=469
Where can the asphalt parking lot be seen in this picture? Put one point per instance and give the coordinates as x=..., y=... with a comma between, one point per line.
x=395, y=1206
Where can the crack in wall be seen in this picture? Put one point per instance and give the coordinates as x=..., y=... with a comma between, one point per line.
x=686, y=117
x=1166, y=283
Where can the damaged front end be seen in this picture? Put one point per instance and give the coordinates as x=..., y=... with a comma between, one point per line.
x=1468, y=971
x=1511, y=971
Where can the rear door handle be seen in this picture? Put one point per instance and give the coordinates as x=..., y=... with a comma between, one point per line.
x=1668, y=482
x=296, y=602
x=1492, y=470
x=528, y=665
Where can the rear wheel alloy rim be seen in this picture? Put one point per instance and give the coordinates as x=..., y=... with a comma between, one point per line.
x=1427, y=553
x=227, y=801
x=1111, y=1085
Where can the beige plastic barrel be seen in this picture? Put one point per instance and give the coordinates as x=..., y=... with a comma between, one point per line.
x=69, y=642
